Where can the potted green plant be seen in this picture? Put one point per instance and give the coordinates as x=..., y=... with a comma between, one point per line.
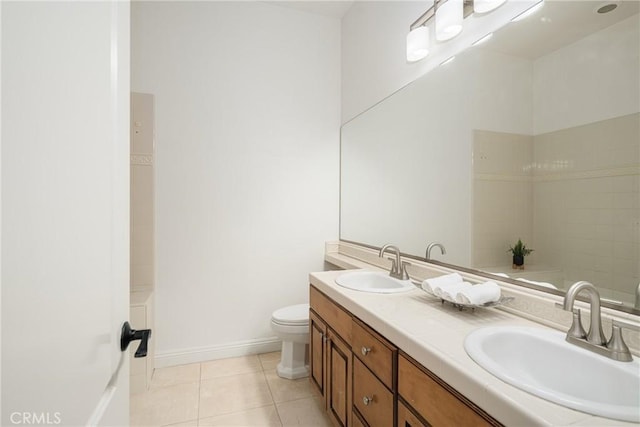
x=519, y=251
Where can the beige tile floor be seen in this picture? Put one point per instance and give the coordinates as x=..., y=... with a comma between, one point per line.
x=242, y=391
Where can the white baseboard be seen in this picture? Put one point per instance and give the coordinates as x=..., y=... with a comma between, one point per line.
x=204, y=354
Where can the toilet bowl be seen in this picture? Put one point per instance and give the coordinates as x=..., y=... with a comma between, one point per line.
x=291, y=325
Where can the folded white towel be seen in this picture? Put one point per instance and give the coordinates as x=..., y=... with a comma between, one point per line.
x=543, y=284
x=479, y=294
x=450, y=292
x=433, y=285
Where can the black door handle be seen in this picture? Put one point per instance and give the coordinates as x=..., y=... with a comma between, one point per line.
x=129, y=335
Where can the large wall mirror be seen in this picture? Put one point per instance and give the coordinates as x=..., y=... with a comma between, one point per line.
x=533, y=135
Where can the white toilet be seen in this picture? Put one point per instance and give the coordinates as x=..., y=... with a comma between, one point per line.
x=291, y=325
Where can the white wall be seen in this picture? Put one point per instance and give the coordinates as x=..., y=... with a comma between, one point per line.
x=374, y=61
x=247, y=119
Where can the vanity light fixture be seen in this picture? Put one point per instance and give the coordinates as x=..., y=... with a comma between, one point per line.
x=417, y=44
x=482, y=39
x=527, y=13
x=448, y=16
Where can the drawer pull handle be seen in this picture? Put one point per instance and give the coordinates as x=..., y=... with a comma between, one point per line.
x=367, y=400
x=365, y=350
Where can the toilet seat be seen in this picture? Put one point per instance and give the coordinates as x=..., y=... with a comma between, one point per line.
x=294, y=315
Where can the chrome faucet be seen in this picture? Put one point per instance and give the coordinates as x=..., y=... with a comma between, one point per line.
x=398, y=267
x=427, y=255
x=595, y=335
x=637, y=304
x=594, y=340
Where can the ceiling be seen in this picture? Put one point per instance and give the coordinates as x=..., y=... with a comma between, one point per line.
x=333, y=9
x=557, y=24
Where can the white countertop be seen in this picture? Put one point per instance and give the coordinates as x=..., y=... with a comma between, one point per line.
x=433, y=334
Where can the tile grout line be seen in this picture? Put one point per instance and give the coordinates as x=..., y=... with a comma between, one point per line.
x=264, y=374
x=199, y=391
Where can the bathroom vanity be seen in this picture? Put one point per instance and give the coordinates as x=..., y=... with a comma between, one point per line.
x=366, y=381
x=399, y=360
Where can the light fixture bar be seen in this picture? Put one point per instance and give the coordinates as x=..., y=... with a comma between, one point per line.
x=430, y=13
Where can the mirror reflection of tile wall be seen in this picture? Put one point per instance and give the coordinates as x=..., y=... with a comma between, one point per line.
x=580, y=215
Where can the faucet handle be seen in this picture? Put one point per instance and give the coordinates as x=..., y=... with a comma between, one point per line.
x=403, y=272
x=394, y=266
x=577, y=330
x=616, y=344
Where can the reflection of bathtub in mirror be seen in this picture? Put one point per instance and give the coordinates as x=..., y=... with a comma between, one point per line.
x=533, y=144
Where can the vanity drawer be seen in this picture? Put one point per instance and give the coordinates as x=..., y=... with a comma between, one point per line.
x=374, y=351
x=406, y=418
x=436, y=402
x=335, y=316
x=356, y=421
x=370, y=397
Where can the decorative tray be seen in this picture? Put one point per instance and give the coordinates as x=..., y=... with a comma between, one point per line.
x=461, y=306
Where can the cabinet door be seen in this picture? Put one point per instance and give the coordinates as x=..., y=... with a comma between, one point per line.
x=317, y=348
x=338, y=392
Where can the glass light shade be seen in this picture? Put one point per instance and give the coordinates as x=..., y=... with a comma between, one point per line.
x=484, y=6
x=417, y=44
x=449, y=18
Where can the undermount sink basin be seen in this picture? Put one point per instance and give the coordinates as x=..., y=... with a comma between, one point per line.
x=541, y=362
x=376, y=282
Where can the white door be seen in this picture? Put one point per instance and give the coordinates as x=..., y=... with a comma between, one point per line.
x=65, y=211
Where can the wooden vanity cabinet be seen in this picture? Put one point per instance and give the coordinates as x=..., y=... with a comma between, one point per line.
x=366, y=381
x=330, y=356
x=435, y=401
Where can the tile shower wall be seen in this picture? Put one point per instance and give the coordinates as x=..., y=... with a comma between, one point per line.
x=142, y=217
x=586, y=203
x=587, y=158
x=503, y=202
x=582, y=215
